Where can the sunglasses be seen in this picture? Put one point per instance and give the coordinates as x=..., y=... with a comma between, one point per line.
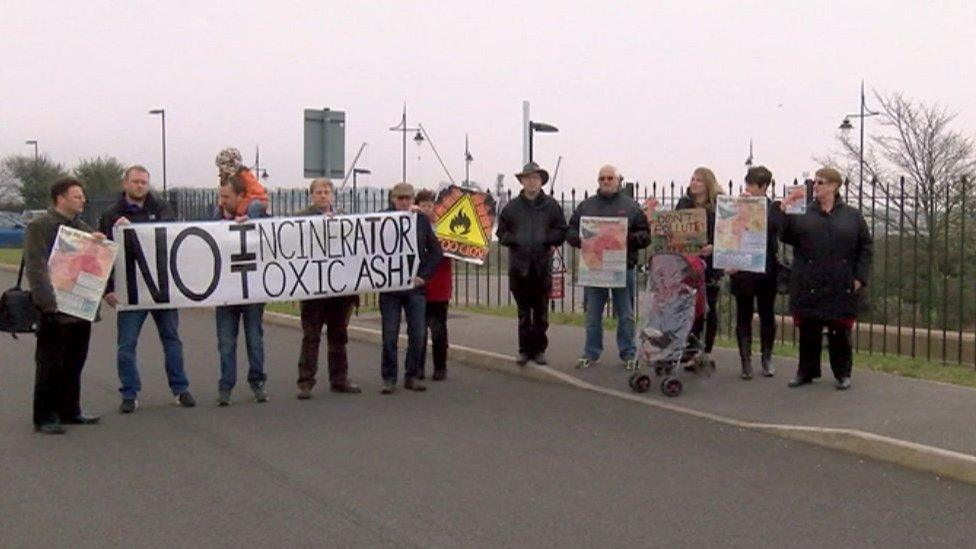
x=820, y=182
x=611, y=178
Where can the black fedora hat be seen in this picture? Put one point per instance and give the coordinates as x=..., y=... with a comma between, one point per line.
x=531, y=168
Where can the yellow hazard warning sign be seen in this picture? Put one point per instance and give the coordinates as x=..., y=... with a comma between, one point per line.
x=460, y=223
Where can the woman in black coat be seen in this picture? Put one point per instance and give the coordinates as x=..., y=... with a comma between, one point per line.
x=757, y=291
x=703, y=191
x=831, y=266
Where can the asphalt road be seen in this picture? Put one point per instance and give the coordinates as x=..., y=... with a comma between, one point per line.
x=481, y=460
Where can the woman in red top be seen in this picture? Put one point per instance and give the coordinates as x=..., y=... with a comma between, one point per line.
x=439, y=289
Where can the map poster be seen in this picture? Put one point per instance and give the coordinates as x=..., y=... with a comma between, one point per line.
x=603, y=252
x=681, y=231
x=799, y=194
x=740, y=233
x=80, y=266
x=463, y=222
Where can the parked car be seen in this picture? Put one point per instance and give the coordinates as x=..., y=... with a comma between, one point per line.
x=11, y=230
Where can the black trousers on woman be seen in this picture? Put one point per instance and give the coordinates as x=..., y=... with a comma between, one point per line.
x=747, y=303
x=838, y=345
x=710, y=322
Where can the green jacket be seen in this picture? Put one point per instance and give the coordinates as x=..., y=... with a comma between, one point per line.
x=38, y=242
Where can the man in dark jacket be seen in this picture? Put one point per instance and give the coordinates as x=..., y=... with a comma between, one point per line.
x=531, y=225
x=62, y=340
x=610, y=202
x=412, y=302
x=137, y=205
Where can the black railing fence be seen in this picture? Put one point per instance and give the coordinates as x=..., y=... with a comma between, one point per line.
x=921, y=296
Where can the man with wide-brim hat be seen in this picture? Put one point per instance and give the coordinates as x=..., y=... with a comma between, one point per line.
x=531, y=226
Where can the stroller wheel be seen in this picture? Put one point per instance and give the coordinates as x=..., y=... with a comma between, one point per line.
x=642, y=383
x=632, y=379
x=671, y=386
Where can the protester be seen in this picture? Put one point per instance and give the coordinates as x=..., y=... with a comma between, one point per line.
x=609, y=201
x=703, y=191
x=233, y=190
x=832, y=250
x=137, y=204
x=229, y=162
x=62, y=340
x=531, y=226
x=411, y=303
x=332, y=312
x=438, y=294
x=757, y=291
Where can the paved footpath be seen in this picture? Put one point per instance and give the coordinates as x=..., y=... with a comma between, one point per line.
x=915, y=411
x=481, y=460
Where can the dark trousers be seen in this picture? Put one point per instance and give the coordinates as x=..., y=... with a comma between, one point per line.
x=411, y=303
x=531, y=294
x=61, y=353
x=710, y=322
x=746, y=304
x=436, y=314
x=333, y=313
x=838, y=346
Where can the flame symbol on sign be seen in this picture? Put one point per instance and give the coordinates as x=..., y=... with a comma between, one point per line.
x=461, y=224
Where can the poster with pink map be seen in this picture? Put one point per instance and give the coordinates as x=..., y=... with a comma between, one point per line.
x=80, y=266
x=603, y=252
x=740, y=233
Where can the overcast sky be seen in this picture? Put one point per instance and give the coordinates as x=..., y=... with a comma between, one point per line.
x=656, y=88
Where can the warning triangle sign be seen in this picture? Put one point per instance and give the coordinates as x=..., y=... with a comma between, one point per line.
x=460, y=223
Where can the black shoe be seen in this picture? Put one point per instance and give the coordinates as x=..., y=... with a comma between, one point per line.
x=439, y=375
x=541, y=359
x=421, y=375
x=746, y=369
x=347, y=387
x=186, y=400
x=414, y=385
x=50, y=428
x=522, y=359
x=128, y=405
x=843, y=384
x=798, y=381
x=81, y=419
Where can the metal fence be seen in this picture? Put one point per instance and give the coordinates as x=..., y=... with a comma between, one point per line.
x=921, y=296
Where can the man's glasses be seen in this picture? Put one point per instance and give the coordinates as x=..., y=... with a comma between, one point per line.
x=611, y=178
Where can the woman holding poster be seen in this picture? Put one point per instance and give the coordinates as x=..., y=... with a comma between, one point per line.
x=703, y=191
x=832, y=251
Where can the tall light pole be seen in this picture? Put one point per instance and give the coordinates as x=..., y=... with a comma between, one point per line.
x=418, y=138
x=33, y=142
x=467, y=163
x=355, y=191
x=749, y=159
x=538, y=127
x=846, y=126
x=162, y=113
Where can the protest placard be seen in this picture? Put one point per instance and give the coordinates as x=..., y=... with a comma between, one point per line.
x=262, y=260
x=463, y=223
x=603, y=252
x=681, y=231
x=740, y=233
x=798, y=195
x=79, y=266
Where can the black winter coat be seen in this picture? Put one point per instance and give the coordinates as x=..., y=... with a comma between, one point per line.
x=830, y=251
x=712, y=276
x=617, y=205
x=530, y=229
x=153, y=210
x=746, y=283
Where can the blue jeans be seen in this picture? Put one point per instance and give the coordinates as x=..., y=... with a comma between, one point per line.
x=228, y=324
x=129, y=325
x=413, y=304
x=595, y=300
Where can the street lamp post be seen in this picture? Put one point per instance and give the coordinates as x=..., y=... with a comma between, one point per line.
x=467, y=163
x=33, y=142
x=355, y=191
x=418, y=138
x=538, y=127
x=162, y=113
x=846, y=126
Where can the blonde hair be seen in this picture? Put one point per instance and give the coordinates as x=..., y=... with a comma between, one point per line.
x=832, y=175
x=321, y=182
x=712, y=188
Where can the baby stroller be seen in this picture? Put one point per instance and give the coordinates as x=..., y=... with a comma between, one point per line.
x=675, y=300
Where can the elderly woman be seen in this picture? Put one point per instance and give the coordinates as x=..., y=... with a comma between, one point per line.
x=703, y=191
x=831, y=265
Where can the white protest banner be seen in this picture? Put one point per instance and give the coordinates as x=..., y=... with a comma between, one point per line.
x=167, y=265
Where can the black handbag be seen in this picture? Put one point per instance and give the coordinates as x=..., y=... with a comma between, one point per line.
x=18, y=315
x=783, y=273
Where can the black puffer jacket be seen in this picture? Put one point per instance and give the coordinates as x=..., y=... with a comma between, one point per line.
x=830, y=251
x=712, y=276
x=616, y=205
x=746, y=283
x=530, y=229
x=153, y=210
